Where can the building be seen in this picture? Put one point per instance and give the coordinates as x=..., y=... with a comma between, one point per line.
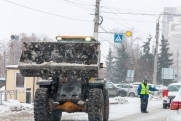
x=171, y=29
x=14, y=81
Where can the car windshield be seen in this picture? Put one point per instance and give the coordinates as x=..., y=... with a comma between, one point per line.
x=174, y=88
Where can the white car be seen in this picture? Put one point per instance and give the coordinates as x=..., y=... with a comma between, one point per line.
x=172, y=92
x=175, y=108
x=160, y=87
x=130, y=89
x=138, y=83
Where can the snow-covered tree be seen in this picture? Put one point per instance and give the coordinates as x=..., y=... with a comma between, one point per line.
x=121, y=64
x=164, y=59
x=110, y=65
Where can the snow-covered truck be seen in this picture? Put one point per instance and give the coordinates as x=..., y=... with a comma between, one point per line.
x=68, y=70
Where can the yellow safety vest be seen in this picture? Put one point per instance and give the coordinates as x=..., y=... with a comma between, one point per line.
x=144, y=90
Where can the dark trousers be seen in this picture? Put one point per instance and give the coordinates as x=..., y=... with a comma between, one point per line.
x=144, y=104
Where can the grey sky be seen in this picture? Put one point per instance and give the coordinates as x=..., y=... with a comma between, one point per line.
x=15, y=19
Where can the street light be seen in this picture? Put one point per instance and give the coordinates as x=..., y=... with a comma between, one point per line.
x=14, y=37
x=156, y=49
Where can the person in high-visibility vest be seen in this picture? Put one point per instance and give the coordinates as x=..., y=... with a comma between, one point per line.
x=143, y=93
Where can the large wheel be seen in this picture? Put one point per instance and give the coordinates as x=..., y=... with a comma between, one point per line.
x=106, y=105
x=164, y=106
x=41, y=107
x=95, y=105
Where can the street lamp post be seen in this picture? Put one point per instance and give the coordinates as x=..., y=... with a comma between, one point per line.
x=14, y=37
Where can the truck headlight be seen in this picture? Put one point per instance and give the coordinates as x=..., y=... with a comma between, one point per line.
x=58, y=38
x=88, y=39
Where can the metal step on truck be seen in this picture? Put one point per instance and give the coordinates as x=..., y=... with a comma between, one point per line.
x=69, y=69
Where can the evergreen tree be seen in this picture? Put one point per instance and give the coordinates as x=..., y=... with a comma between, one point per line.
x=109, y=65
x=146, y=62
x=164, y=60
x=121, y=64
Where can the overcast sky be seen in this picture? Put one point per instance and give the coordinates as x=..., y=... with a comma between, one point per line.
x=73, y=17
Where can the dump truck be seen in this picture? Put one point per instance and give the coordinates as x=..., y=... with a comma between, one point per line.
x=69, y=77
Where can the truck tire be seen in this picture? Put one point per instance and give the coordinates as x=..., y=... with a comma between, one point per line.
x=41, y=107
x=106, y=105
x=164, y=106
x=95, y=105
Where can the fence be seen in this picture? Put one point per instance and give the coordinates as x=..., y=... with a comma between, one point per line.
x=13, y=93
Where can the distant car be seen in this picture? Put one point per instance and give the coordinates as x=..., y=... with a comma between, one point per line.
x=130, y=89
x=160, y=87
x=115, y=91
x=172, y=92
x=174, y=113
x=138, y=83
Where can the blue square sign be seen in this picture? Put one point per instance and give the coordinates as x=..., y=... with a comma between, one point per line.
x=118, y=38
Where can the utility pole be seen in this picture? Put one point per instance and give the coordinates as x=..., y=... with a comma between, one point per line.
x=177, y=67
x=96, y=19
x=156, y=54
x=4, y=59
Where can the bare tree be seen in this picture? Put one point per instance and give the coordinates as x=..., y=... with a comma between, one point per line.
x=10, y=51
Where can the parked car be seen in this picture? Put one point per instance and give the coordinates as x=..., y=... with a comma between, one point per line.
x=160, y=87
x=115, y=91
x=138, y=83
x=130, y=89
x=174, y=113
x=172, y=92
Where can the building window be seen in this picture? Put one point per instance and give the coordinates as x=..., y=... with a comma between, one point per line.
x=19, y=81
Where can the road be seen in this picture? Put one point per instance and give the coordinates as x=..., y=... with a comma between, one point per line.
x=156, y=113
x=118, y=112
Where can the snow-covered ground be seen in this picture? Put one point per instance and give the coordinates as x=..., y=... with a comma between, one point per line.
x=12, y=110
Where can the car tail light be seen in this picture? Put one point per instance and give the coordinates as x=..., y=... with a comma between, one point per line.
x=175, y=105
x=135, y=87
x=165, y=93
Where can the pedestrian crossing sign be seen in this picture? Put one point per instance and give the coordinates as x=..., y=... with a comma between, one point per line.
x=118, y=38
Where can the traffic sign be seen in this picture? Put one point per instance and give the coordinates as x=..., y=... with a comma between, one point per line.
x=130, y=75
x=118, y=38
x=128, y=33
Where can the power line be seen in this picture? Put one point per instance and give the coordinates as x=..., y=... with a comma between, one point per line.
x=134, y=20
x=123, y=25
x=120, y=9
x=122, y=20
x=75, y=4
x=130, y=13
x=47, y=12
x=81, y=3
x=155, y=15
x=85, y=3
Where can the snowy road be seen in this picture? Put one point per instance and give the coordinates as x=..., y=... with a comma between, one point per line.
x=156, y=113
x=118, y=112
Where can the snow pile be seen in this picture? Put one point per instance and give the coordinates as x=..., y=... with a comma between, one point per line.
x=157, y=95
x=13, y=110
x=15, y=105
x=118, y=100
